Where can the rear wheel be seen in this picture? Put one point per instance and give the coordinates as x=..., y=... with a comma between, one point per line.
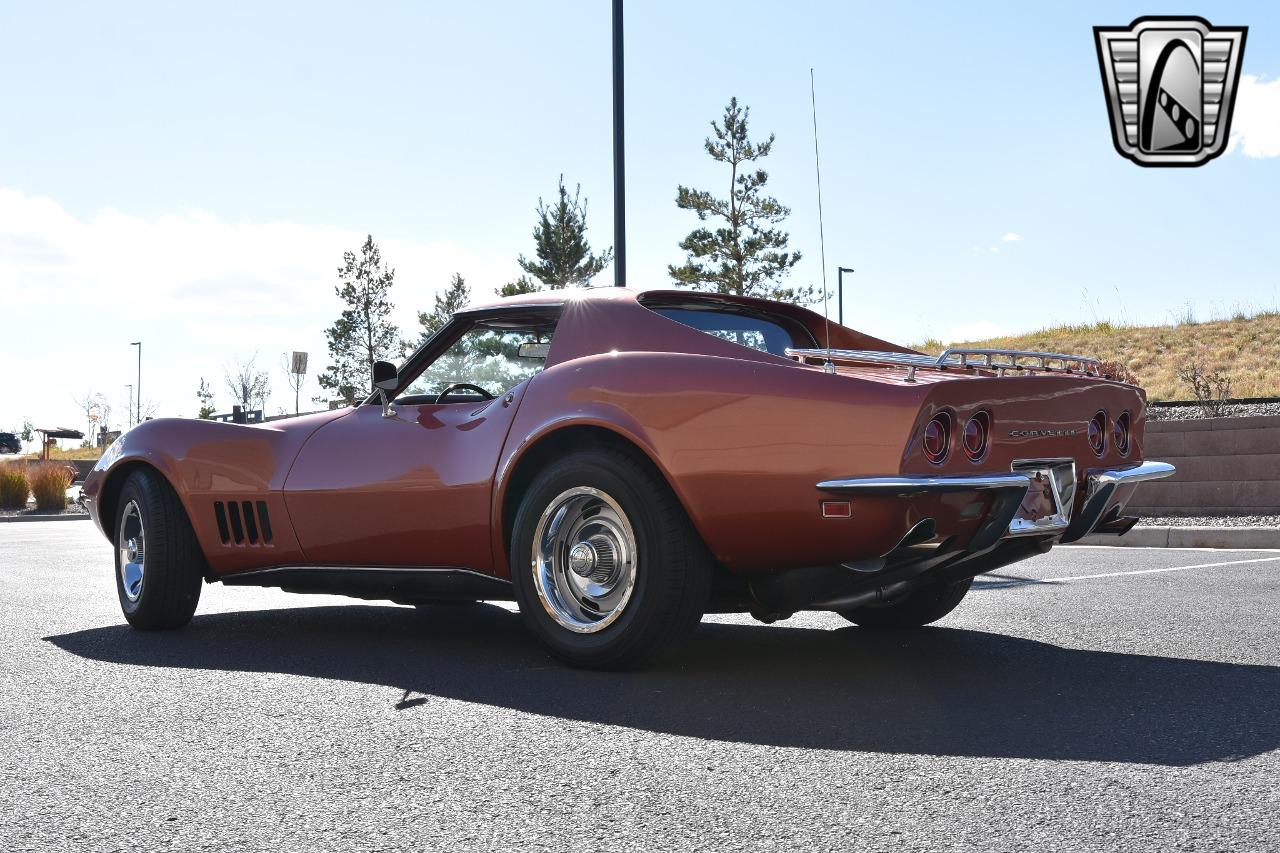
x=924, y=605
x=159, y=565
x=607, y=569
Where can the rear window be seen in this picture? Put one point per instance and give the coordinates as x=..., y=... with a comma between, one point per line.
x=763, y=332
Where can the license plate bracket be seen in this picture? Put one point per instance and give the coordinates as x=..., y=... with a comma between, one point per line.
x=1046, y=507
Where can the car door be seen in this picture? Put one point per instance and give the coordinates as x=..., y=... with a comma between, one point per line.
x=413, y=489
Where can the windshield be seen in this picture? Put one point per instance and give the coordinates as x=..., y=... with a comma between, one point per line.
x=489, y=357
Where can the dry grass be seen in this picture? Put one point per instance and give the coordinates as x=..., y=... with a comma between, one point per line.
x=14, y=486
x=1245, y=349
x=49, y=483
x=72, y=453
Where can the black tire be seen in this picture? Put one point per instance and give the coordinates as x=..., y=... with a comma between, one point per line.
x=174, y=565
x=918, y=608
x=673, y=567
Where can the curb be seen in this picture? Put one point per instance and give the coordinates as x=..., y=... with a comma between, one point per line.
x=66, y=516
x=1191, y=537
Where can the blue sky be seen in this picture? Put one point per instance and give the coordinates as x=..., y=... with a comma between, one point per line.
x=191, y=175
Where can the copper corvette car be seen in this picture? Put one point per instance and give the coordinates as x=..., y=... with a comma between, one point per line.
x=620, y=463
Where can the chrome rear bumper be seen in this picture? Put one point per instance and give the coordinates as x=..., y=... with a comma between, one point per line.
x=1101, y=492
x=1101, y=486
x=1141, y=473
x=909, y=486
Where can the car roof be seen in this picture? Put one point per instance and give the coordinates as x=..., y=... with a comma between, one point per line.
x=551, y=298
x=557, y=298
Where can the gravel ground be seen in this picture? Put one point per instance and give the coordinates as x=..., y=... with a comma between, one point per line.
x=1192, y=412
x=1211, y=521
x=32, y=511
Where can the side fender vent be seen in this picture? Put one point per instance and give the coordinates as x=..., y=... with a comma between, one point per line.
x=264, y=521
x=243, y=522
x=220, y=514
x=237, y=526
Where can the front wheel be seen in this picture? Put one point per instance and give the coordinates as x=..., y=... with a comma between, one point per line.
x=607, y=569
x=915, y=609
x=159, y=564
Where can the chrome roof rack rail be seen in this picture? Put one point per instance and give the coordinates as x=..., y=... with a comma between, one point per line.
x=964, y=358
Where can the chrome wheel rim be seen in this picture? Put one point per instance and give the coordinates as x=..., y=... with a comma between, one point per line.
x=131, y=544
x=584, y=560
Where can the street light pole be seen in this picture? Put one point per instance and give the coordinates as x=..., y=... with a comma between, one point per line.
x=840, y=294
x=138, y=344
x=129, y=411
x=619, y=179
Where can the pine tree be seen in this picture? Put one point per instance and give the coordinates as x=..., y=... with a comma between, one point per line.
x=747, y=255
x=456, y=296
x=205, y=395
x=523, y=284
x=363, y=332
x=560, y=242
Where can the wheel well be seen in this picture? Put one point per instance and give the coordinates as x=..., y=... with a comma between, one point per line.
x=562, y=441
x=110, y=495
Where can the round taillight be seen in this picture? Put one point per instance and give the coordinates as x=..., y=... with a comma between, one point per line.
x=976, y=432
x=937, y=436
x=1120, y=434
x=1098, y=433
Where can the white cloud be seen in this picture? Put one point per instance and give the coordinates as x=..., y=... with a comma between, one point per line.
x=1255, y=127
x=1009, y=237
x=198, y=290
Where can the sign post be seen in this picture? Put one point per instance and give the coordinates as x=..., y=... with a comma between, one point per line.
x=298, y=369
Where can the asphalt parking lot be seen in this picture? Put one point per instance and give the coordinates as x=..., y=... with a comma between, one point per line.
x=1092, y=699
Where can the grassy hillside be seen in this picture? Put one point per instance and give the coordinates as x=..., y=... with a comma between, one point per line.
x=1246, y=349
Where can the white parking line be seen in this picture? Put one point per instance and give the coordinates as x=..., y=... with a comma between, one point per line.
x=1073, y=546
x=1155, y=571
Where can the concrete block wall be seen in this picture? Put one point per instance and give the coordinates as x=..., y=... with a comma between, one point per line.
x=1225, y=466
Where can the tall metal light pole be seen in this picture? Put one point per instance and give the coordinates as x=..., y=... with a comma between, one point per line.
x=840, y=292
x=129, y=411
x=138, y=344
x=619, y=178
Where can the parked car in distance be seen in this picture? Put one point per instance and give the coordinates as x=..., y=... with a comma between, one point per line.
x=9, y=443
x=620, y=463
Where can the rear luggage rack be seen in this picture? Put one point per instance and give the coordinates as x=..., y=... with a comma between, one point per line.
x=963, y=358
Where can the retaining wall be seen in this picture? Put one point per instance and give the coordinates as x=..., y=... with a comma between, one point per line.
x=1225, y=465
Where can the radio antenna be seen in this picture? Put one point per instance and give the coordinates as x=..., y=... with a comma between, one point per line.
x=828, y=366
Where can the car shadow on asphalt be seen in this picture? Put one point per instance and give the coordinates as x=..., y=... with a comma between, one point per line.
x=933, y=691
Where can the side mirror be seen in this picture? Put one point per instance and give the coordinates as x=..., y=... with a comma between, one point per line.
x=385, y=376
x=385, y=380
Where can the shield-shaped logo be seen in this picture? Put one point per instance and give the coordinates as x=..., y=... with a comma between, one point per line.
x=1170, y=85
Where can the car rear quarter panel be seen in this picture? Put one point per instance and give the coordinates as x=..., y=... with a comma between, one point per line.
x=742, y=443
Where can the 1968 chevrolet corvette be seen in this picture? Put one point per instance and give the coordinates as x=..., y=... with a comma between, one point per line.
x=620, y=463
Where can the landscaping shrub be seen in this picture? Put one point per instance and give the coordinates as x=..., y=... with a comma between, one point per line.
x=49, y=483
x=1212, y=388
x=14, y=486
x=1117, y=371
